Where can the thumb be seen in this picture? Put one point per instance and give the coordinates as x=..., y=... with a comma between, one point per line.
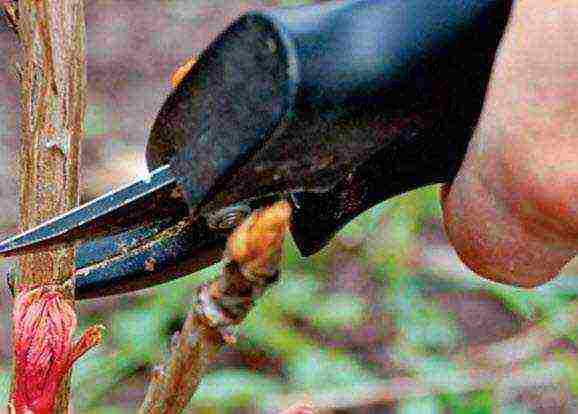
x=492, y=239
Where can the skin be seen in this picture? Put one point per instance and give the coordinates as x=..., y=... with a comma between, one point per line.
x=512, y=211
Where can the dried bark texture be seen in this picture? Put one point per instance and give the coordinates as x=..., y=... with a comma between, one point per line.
x=252, y=260
x=53, y=101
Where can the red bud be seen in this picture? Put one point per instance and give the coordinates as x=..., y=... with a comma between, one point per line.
x=44, y=322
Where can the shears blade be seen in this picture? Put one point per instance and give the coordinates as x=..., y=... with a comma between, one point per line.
x=133, y=205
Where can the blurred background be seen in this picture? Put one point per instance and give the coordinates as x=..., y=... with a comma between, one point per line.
x=385, y=320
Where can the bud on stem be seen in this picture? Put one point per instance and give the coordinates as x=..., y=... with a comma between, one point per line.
x=44, y=322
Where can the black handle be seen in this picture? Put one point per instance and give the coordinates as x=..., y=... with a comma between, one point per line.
x=381, y=93
x=431, y=67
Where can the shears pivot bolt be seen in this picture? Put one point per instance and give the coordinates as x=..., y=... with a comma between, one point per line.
x=229, y=217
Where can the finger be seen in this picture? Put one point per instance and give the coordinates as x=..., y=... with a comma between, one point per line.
x=495, y=243
x=512, y=211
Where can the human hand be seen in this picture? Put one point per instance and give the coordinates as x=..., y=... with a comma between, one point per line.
x=512, y=211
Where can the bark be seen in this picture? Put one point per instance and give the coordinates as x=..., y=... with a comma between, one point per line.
x=251, y=264
x=53, y=100
x=53, y=104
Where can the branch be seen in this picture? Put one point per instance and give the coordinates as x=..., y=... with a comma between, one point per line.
x=53, y=101
x=499, y=365
x=10, y=9
x=403, y=388
x=527, y=344
x=251, y=264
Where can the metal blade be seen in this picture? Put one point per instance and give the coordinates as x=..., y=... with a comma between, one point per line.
x=142, y=201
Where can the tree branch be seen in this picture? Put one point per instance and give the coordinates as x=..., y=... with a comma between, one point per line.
x=251, y=264
x=53, y=101
x=405, y=388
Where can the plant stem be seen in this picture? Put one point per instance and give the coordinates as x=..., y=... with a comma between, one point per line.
x=53, y=101
x=53, y=104
x=251, y=264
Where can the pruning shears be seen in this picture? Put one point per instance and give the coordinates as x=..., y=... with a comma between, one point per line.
x=335, y=107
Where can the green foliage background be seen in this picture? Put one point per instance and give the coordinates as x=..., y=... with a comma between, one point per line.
x=387, y=341
x=385, y=320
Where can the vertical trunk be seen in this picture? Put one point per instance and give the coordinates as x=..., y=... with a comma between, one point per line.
x=53, y=76
x=53, y=105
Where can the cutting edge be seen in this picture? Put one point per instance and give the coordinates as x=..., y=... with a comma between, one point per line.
x=101, y=213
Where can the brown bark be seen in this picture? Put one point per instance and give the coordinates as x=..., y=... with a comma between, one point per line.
x=53, y=106
x=53, y=101
x=252, y=259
